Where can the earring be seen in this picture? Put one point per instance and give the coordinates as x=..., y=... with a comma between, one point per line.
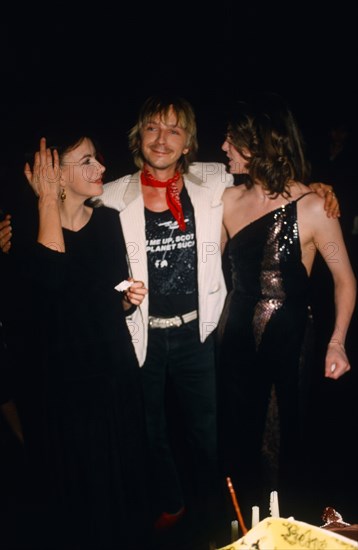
x=63, y=194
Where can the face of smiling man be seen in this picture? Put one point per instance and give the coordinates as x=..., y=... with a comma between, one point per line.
x=163, y=142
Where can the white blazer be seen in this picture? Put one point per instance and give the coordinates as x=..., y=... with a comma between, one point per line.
x=205, y=183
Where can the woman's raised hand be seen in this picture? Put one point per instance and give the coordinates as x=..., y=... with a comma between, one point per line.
x=44, y=177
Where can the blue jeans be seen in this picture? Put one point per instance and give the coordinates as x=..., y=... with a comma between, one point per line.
x=178, y=359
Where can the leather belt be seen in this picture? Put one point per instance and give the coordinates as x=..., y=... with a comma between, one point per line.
x=168, y=322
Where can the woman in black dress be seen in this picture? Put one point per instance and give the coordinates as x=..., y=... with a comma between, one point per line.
x=275, y=226
x=88, y=463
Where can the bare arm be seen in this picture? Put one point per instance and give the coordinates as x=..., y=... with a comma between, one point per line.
x=330, y=244
x=5, y=233
x=224, y=238
x=44, y=180
x=45, y=177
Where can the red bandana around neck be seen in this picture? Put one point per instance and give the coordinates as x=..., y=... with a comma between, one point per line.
x=173, y=198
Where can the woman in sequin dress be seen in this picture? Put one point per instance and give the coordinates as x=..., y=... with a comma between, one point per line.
x=274, y=225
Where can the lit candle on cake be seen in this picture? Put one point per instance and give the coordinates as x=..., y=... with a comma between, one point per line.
x=255, y=518
x=274, y=509
x=234, y=530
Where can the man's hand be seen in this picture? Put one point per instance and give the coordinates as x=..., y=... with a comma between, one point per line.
x=331, y=204
x=5, y=234
x=135, y=294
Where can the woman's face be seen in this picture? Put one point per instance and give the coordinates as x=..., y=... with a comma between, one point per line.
x=237, y=163
x=81, y=172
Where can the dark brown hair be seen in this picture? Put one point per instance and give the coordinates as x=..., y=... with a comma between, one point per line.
x=266, y=128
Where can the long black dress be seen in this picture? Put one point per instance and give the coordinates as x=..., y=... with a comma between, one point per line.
x=261, y=335
x=87, y=451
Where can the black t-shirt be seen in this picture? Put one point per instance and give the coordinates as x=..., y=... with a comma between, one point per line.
x=172, y=261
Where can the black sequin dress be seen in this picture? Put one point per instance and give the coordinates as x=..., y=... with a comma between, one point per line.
x=260, y=340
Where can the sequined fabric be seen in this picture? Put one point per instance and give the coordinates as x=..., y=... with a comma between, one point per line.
x=281, y=242
x=265, y=258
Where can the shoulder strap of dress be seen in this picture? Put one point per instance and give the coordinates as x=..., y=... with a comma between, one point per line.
x=301, y=197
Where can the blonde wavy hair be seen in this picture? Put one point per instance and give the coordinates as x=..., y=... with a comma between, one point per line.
x=162, y=105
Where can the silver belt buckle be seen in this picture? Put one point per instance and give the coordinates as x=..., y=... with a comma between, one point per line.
x=162, y=322
x=169, y=322
x=176, y=321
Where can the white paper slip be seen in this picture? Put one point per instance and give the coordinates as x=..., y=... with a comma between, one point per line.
x=123, y=285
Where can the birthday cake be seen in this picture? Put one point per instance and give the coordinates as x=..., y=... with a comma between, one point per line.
x=283, y=534
x=277, y=533
x=334, y=522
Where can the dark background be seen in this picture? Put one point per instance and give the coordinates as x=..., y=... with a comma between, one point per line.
x=95, y=64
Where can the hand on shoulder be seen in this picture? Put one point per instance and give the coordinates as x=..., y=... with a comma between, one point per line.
x=331, y=204
x=311, y=209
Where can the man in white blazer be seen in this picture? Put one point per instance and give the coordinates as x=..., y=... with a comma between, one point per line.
x=205, y=183
x=171, y=214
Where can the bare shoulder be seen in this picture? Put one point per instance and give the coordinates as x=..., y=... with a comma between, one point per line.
x=308, y=201
x=234, y=193
x=313, y=222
